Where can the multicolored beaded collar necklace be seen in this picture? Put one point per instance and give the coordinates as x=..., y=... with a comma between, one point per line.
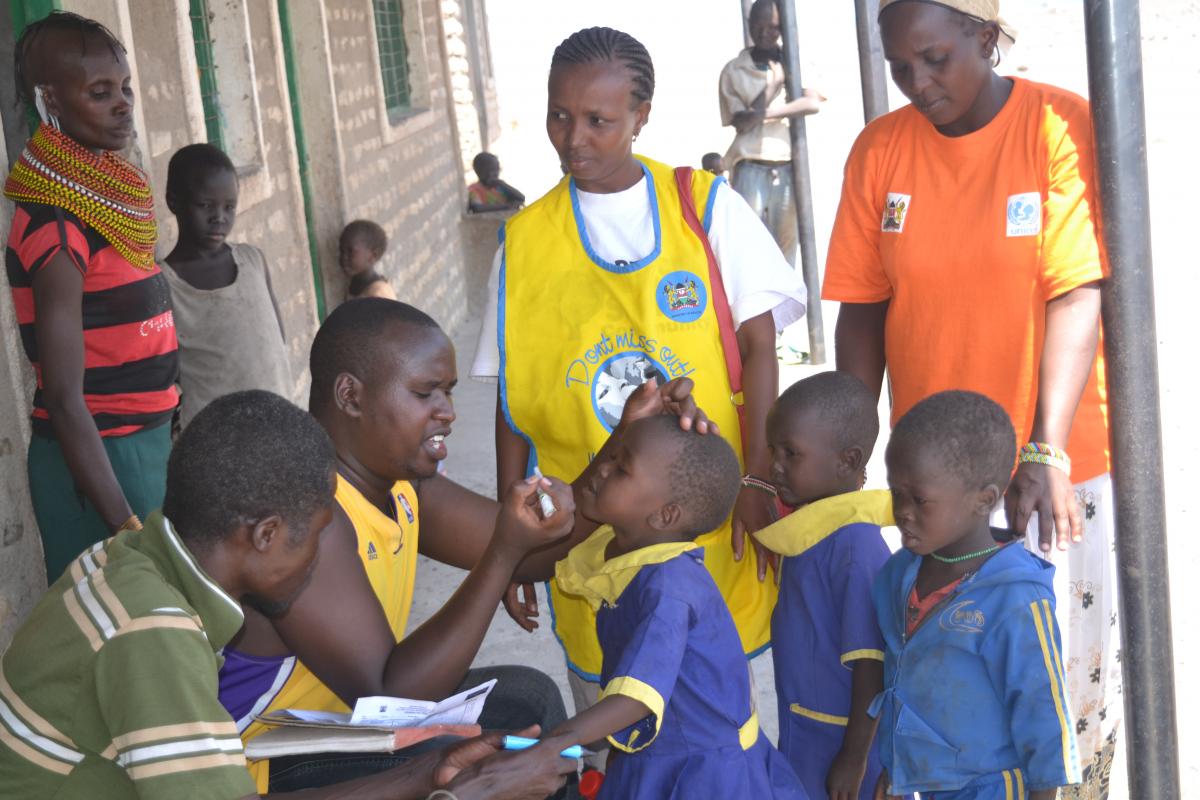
x=105, y=191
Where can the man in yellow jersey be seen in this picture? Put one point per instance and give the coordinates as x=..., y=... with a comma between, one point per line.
x=382, y=377
x=107, y=690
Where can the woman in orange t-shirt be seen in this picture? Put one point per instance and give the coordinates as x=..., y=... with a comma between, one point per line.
x=965, y=254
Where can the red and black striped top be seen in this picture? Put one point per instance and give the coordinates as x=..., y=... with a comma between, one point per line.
x=130, y=350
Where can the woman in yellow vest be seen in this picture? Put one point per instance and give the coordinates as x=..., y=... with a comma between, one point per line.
x=603, y=284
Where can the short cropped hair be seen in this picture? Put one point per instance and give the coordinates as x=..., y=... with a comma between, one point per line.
x=349, y=340
x=761, y=7
x=844, y=405
x=704, y=476
x=247, y=456
x=968, y=433
x=193, y=161
x=709, y=160
x=370, y=233
x=481, y=160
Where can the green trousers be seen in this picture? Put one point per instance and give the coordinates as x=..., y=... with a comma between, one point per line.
x=68, y=521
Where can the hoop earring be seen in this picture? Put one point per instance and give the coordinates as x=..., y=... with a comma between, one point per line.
x=39, y=102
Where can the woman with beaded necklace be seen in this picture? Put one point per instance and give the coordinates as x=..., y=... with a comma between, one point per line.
x=93, y=309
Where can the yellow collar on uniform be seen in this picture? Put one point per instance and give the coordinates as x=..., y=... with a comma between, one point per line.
x=586, y=573
x=808, y=526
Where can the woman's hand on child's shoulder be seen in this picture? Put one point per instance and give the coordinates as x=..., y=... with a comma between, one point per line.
x=753, y=511
x=674, y=397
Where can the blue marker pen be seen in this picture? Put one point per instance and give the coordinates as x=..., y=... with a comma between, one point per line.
x=521, y=743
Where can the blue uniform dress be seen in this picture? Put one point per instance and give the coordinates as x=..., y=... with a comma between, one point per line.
x=974, y=705
x=669, y=642
x=823, y=623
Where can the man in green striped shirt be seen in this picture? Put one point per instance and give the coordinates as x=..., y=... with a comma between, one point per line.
x=109, y=689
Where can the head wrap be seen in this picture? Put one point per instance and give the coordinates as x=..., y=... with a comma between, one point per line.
x=982, y=10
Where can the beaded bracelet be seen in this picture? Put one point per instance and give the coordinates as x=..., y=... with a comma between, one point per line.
x=131, y=524
x=1046, y=454
x=759, y=483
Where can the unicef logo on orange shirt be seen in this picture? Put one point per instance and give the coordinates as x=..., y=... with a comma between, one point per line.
x=682, y=296
x=1024, y=214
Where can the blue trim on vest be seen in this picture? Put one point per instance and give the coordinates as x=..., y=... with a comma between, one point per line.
x=590, y=677
x=581, y=229
x=500, y=314
x=712, y=199
x=755, y=654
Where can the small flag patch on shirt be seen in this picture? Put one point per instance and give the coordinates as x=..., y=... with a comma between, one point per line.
x=895, y=211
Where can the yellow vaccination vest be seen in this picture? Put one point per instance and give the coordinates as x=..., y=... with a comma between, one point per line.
x=578, y=335
x=388, y=550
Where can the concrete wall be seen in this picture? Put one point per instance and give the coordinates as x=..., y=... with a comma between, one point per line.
x=403, y=171
x=480, y=234
x=258, y=136
x=22, y=571
x=473, y=88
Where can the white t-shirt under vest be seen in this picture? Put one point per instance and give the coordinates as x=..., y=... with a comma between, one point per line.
x=620, y=226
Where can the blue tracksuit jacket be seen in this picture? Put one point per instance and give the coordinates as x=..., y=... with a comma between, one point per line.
x=976, y=695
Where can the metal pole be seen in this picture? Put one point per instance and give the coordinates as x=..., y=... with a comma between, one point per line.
x=870, y=59
x=801, y=184
x=1118, y=119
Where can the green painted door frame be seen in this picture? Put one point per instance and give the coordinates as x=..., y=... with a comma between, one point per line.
x=289, y=60
x=27, y=11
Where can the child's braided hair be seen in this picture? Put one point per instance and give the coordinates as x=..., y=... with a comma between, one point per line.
x=592, y=45
x=54, y=21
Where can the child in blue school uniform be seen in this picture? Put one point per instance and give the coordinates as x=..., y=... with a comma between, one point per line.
x=825, y=640
x=974, y=705
x=675, y=706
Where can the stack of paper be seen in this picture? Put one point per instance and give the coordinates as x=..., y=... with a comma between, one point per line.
x=377, y=725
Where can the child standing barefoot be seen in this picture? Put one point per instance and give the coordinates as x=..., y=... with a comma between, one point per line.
x=360, y=247
x=675, y=702
x=826, y=644
x=230, y=332
x=975, y=706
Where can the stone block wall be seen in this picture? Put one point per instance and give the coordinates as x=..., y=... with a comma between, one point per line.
x=472, y=87
x=402, y=172
x=270, y=210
